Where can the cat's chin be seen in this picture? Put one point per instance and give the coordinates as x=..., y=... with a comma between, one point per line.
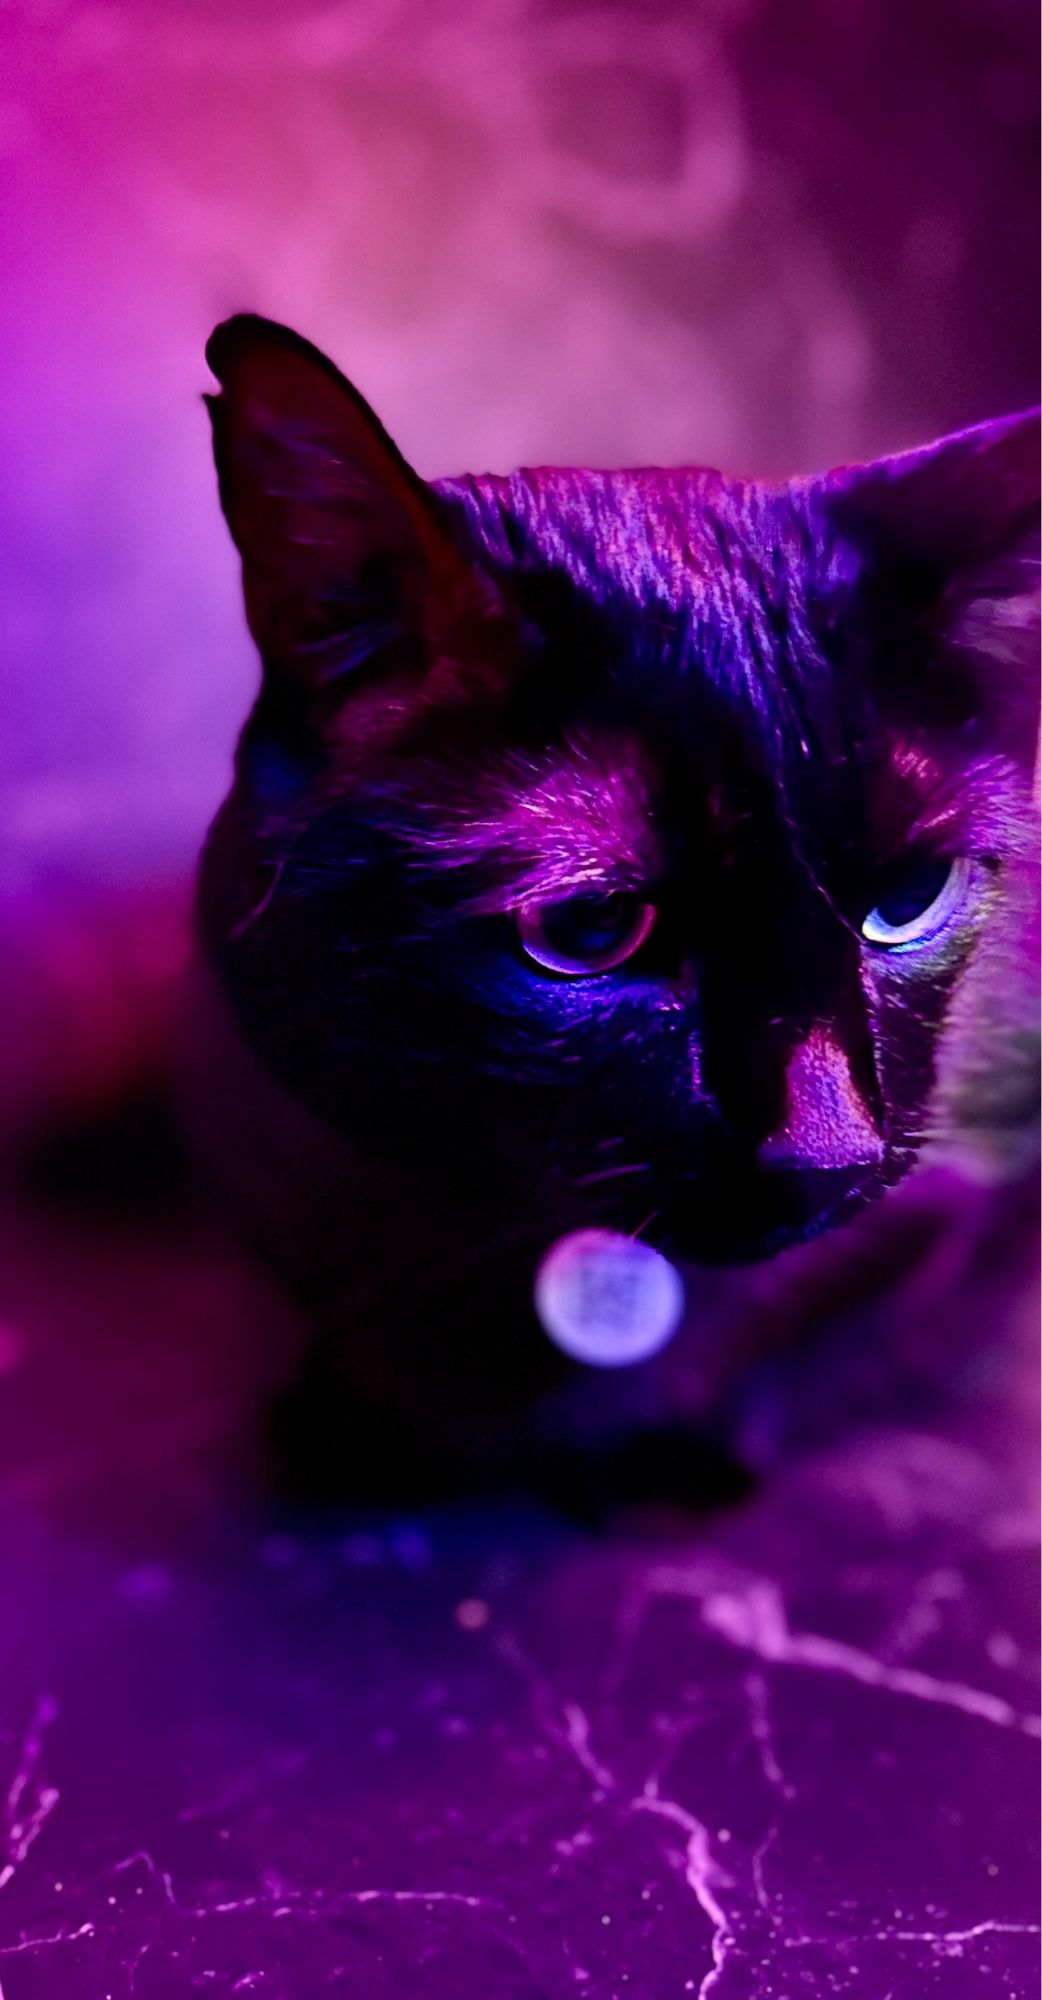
x=749, y=1222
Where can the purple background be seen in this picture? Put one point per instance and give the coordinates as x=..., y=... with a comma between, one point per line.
x=765, y=234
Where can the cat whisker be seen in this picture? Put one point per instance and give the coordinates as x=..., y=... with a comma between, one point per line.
x=252, y=916
x=612, y=1174
x=646, y=1224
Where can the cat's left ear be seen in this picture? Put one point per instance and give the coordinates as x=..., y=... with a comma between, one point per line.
x=348, y=568
x=951, y=537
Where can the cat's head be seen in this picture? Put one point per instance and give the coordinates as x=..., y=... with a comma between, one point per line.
x=617, y=845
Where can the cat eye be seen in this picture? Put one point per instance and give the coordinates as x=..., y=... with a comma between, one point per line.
x=919, y=902
x=583, y=935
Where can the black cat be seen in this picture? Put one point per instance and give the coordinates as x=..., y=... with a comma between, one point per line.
x=630, y=848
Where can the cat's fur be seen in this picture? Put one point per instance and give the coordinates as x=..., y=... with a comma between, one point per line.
x=743, y=701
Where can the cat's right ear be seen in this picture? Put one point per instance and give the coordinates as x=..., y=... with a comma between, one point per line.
x=347, y=567
x=951, y=536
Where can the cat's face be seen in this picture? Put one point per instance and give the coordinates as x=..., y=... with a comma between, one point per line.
x=617, y=845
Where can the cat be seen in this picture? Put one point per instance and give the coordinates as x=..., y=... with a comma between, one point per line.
x=611, y=848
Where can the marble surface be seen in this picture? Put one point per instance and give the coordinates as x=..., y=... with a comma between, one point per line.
x=786, y=1748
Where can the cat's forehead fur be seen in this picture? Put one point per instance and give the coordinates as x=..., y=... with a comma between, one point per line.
x=681, y=587
x=690, y=608
x=686, y=538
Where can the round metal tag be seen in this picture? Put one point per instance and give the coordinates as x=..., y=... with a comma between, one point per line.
x=608, y=1299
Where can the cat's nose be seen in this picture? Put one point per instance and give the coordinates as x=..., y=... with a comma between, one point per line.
x=826, y=1121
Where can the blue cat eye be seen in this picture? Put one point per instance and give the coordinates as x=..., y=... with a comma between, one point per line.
x=920, y=900
x=582, y=935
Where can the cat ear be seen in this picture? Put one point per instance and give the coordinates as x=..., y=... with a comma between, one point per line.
x=951, y=533
x=346, y=562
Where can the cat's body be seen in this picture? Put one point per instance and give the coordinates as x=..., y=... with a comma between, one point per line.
x=586, y=841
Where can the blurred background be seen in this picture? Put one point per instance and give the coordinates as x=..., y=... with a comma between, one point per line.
x=765, y=234
x=762, y=234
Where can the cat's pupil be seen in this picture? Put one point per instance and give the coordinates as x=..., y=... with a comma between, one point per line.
x=911, y=892
x=588, y=926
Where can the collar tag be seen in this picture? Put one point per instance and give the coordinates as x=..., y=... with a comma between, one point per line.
x=607, y=1299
